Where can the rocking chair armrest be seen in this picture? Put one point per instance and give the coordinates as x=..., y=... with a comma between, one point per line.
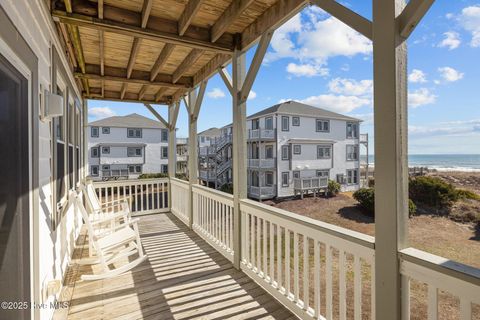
x=112, y=217
x=119, y=200
x=133, y=222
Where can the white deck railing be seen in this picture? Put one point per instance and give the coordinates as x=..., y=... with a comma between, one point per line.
x=261, y=134
x=180, y=199
x=261, y=163
x=213, y=218
x=262, y=192
x=276, y=242
x=440, y=275
x=145, y=195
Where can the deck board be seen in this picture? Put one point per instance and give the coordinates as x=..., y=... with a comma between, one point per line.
x=183, y=278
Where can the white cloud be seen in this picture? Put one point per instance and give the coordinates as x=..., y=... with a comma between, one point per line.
x=421, y=97
x=306, y=70
x=216, y=93
x=445, y=129
x=470, y=20
x=449, y=74
x=336, y=103
x=451, y=40
x=417, y=76
x=311, y=39
x=252, y=95
x=101, y=112
x=351, y=87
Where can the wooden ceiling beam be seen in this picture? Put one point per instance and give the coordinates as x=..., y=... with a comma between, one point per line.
x=147, y=8
x=129, y=23
x=277, y=14
x=142, y=91
x=162, y=58
x=95, y=94
x=208, y=70
x=68, y=44
x=100, y=9
x=124, y=90
x=93, y=76
x=228, y=17
x=133, y=56
x=192, y=57
x=160, y=93
x=188, y=14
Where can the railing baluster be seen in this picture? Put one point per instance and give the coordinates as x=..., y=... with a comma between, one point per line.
x=357, y=274
x=264, y=250
x=432, y=302
x=287, y=262
x=316, y=277
x=279, y=257
x=465, y=309
x=306, y=286
x=343, y=284
x=296, y=288
x=257, y=241
x=405, y=298
x=328, y=274
x=372, y=286
x=271, y=259
x=142, y=207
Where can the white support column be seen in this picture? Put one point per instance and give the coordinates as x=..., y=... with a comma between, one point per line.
x=172, y=138
x=391, y=167
x=192, y=149
x=239, y=149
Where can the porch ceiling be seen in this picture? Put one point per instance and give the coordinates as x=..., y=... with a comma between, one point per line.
x=154, y=51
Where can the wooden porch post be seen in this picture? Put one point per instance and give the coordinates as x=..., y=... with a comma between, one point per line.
x=239, y=147
x=192, y=150
x=172, y=138
x=391, y=165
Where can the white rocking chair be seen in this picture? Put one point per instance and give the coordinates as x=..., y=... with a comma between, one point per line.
x=122, y=241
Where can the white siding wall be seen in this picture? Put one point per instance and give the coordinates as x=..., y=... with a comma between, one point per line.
x=151, y=157
x=56, y=246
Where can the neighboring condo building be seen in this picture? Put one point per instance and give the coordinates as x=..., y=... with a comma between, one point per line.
x=122, y=147
x=291, y=148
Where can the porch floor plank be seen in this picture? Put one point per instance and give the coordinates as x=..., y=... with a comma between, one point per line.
x=183, y=278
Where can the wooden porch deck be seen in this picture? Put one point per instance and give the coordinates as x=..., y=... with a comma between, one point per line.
x=184, y=278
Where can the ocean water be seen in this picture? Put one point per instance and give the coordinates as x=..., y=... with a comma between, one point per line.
x=441, y=162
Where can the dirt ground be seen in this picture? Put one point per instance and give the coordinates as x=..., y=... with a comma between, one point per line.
x=464, y=180
x=457, y=241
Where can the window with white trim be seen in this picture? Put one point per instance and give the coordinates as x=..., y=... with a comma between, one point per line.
x=134, y=133
x=323, y=173
x=324, y=152
x=94, y=171
x=296, y=174
x=255, y=124
x=94, y=132
x=268, y=152
x=95, y=152
x=341, y=178
x=135, y=169
x=164, y=137
x=297, y=149
x=134, y=152
x=352, y=130
x=106, y=167
x=285, y=179
x=352, y=152
x=268, y=179
x=352, y=176
x=255, y=179
x=285, y=123
x=269, y=123
x=296, y=121
x=164, y=168
x=105, y=150
x=105, y=130
x=164, y=153
x=285, y=153
x=322, y=125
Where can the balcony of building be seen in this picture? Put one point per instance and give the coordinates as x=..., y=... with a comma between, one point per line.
x=262, y=134
x=262, y=163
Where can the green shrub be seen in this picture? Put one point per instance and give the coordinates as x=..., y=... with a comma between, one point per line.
x=153, y=175
x=181, y=176
x=227, y=188
x=366, y=200
x=333, y=188
x=432, y=191
x=467, y=194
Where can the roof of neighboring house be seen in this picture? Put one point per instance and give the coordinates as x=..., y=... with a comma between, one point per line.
x=129, y=121
x=300, y=109
x=120, y=144
x=211, y=132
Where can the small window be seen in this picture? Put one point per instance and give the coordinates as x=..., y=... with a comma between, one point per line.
x=94, y=170
x=138, y=169
x=105, y=150
x=134, y=133
x=105, y=130
x=285, y=123
x=352, y=153
x=106, y=167
x=164, y=135
x=295, y=121
x=352, y=130
x=352, y=176
x=297, y=149
x=164, y=168
x=285, y=178
x=285, y=153
x=269, y=123
x=134, y=152
x=268, y=179
x=164, y=152
x=323, y=125
x=255, y=124
x=341, y=178
x=324, y=152
x=323, y=173
x=95, y=152
x=94, y=132
x=268, y=152
x=131, y=169
x=296, y=174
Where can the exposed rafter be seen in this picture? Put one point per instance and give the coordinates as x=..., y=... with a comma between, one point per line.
x=412, y=15
x=100, y=9
x=147, y=8
x=142, y=91
x=160, y=93
x=133, y=55
x=228, y=17
x=95, y=94
x=94, y=76
x=68, y=44
x=192, y=57
x=347, y=16
x=187, y=16
x=220, y=60
x=162, y=58
x=127, y=22
x=124, y=90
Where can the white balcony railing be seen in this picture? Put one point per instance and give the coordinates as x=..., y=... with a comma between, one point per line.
x=262, y=163
x=310, y=183
x=182, y=158
x=262, y=192
x=115, y=174
x=261, y=134
x=180, y=199
x=145, y=195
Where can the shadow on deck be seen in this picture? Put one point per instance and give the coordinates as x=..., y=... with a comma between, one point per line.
x=183, y=278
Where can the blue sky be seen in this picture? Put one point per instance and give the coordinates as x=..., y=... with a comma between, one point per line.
x=316, y=59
